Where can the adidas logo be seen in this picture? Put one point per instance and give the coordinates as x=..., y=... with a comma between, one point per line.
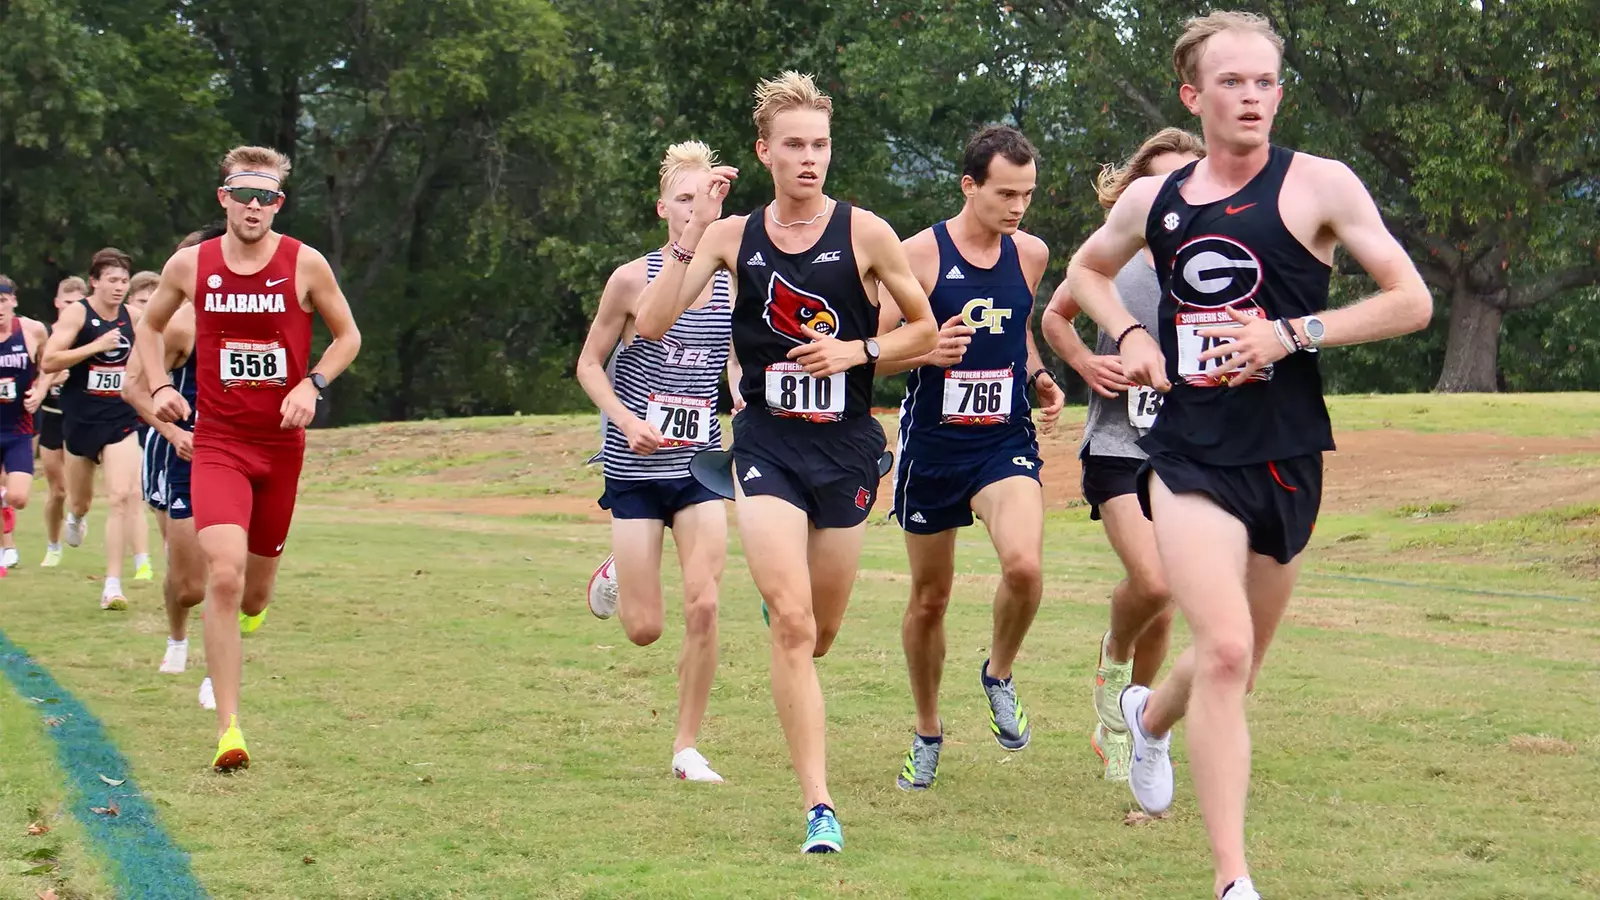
x=756, y=260
x=918, y=518
x=753, y=473
x=179, y=504
x=954, y=274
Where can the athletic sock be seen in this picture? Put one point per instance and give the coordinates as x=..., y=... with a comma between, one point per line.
x=140, y=560
x=990, y=680
x=113, y=586
x=54, y=547
x=930, y=740
x=176, y=643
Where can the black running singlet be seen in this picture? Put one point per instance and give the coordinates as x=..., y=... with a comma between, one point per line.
x=1235, y=252
x=93, y=390
x=779, y=292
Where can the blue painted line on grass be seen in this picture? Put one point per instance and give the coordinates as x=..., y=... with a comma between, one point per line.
x=146, y=864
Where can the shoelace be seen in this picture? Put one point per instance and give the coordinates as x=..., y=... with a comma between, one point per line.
x=924, y=757
x=818, y=825
x=1006, y=714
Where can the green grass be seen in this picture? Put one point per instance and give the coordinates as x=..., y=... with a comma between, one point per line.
x=434, y=714
x=1520, y=415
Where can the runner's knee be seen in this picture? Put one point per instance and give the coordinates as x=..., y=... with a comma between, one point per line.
x=824, y=642
x=1022, y=575
x=1227, y=659
x=928, y=601
x=17, y=498
x=793, y=626
x=1149, y=585
x=700, y=611
x=225, y=583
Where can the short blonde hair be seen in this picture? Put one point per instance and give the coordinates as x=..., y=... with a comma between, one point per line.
x=685, y=156
x=790, y=90
x=143, y=281
x=73, y=284
x=1113, y=179
x=1186, y=52
x=255, y=159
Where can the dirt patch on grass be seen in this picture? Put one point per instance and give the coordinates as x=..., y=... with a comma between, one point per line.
x=1543, y=744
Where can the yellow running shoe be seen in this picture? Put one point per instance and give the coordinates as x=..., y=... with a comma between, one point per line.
x=1115, y=751
x=52, y=558
x=231, y=752
x=144, y=573
x=248, y=624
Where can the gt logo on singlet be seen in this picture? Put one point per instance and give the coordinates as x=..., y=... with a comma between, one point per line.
x=1209, y=274
x=980, y=313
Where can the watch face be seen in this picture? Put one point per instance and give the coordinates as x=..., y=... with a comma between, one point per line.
x=1314, y=329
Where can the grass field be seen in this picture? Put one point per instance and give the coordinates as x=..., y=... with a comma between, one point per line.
x=433, y=712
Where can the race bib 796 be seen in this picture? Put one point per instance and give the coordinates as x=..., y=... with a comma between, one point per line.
x=682, y=421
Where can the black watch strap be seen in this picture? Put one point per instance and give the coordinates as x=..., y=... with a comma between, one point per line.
x=318, y=381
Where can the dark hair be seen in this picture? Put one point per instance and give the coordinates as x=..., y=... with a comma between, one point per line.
x=992, y=140
x=109, y=258
x=209, y=232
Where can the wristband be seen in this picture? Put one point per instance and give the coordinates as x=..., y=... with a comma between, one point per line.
x=680, y=254
x=1282, y=330
x=158, y=390
x=1033, y=380
x=1127, y=331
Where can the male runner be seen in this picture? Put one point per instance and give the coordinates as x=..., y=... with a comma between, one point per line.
x=49, y=423
x=21, y=393
x=660, y=409
x=140, y=287
x=168, y=454
x=253, y=291
x=1243, y=242
x=967, y=444
x=91, y=341
x=806, y=446
x=1133, y=648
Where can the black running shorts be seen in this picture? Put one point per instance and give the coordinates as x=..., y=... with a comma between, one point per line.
x=1277, y=501
x=828, y=469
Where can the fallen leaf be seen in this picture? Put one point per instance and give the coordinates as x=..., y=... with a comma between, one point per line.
x=35, y=699
x=38, y=828
x=426, y=779
x=110, y=809
x=114, y=782
x=53, y=721
x=43, y=854
x=1138, y=817
x=45, y=869
x=308, y=860
x=48, y=894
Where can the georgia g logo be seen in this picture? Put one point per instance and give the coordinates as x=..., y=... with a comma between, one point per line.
x=1213, y=271
x=789, y=308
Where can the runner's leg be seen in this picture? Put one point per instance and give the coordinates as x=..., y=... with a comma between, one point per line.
x=701, y=534
x=932, y=558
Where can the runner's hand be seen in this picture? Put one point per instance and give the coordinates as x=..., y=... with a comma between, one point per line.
x=643, y=437
x=826, y=355
x=183, y=444
x=107, y=342
x=170, y=405
x=1142, y=362
x=35, y=397
x=300, y=406
x=708, y=203
x=738, y=399
x=952, y=346
x=1103, y=375
x=1051, y=399
x=1254, y=345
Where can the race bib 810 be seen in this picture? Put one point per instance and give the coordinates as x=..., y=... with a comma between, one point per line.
x=793, y=392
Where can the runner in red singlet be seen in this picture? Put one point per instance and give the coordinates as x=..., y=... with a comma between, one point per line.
x=254, y=291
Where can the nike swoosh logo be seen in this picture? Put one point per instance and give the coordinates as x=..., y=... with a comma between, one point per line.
x=271, y=283
x=1232, y=211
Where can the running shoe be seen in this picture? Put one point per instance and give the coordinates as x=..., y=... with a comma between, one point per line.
x=1109, y=680
x=144, y=573
x=1242, y=889
x=231, y=751
x=113, y=601
x=76, y=529
x=52, y=558
x=1150, y=773
x=177, y=658
x=10, y=558
x=1006, y=718
x=823, y=834
x=922, y=765
x=248, y=624
x=1115, y=750
x=689, y=765
x=603, y=589
x=208, y=697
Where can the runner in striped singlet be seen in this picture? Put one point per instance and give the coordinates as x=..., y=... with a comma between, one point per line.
x=660, y=408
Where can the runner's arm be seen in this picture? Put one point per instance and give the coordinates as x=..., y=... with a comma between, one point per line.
x=149, y=341
x=918, y=334
x=329, y=301
x=922, y=254
x=677, y=286
x=616, y=302
x=1090, y=281
x=137, y=395
x=1403, y=303
x=735, y=375
x=34, y=336
x=58, y=355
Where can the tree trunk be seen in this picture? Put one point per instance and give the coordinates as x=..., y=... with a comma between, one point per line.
x=1472, y=352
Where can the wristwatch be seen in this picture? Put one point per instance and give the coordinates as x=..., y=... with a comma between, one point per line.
x=318, y=382
x=1315, y=330
x=872, y=350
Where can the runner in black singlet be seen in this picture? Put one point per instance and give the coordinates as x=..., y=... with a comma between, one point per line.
x=1243, y=242
x=52, y=458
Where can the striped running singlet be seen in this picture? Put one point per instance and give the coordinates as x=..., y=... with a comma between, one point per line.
x=672, y=383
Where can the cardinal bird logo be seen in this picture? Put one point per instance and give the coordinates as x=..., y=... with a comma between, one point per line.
x=788, y=308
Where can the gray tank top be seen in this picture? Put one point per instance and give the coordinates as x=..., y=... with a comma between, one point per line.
x=1109, y=429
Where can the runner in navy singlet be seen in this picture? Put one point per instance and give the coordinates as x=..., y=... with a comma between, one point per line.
x=660, y=405
x=21, y=393
x=967, y=443
x=806, y=446
x=52, y=458
x=1243, y=241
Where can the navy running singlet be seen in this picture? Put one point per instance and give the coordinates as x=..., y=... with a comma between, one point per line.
x=672, y=384
x=982, y=402
x=93, y=390
x=16, y=378
x=1235, y=252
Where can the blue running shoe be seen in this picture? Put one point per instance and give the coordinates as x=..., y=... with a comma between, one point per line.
x=822, y=831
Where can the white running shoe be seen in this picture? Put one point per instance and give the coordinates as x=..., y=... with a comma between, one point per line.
x=208, y=700
x=689, y=765
x=1150, y=773
x=1242, y=889
x=11, y=559
x=603, y=590
x=177, y=658
x=76, y=529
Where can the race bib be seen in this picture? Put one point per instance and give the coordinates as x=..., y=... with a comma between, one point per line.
x=682, y=421
x=792, y=392
x=105, y=381
x=1191, y=344
x=1143, y=404
x=977, y=397
x=8, y=390
x=254, y=364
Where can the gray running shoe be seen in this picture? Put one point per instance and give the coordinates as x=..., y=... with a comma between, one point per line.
x=922, y=765
x=1006, y=718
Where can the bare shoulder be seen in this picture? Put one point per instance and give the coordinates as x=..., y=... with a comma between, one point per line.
x=627, y=281
x=922, y=245
x=1328, y=179
x=1031, y=248
x=724, y=236
x=311, y=259
x=870, y=225
x=183, y=262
